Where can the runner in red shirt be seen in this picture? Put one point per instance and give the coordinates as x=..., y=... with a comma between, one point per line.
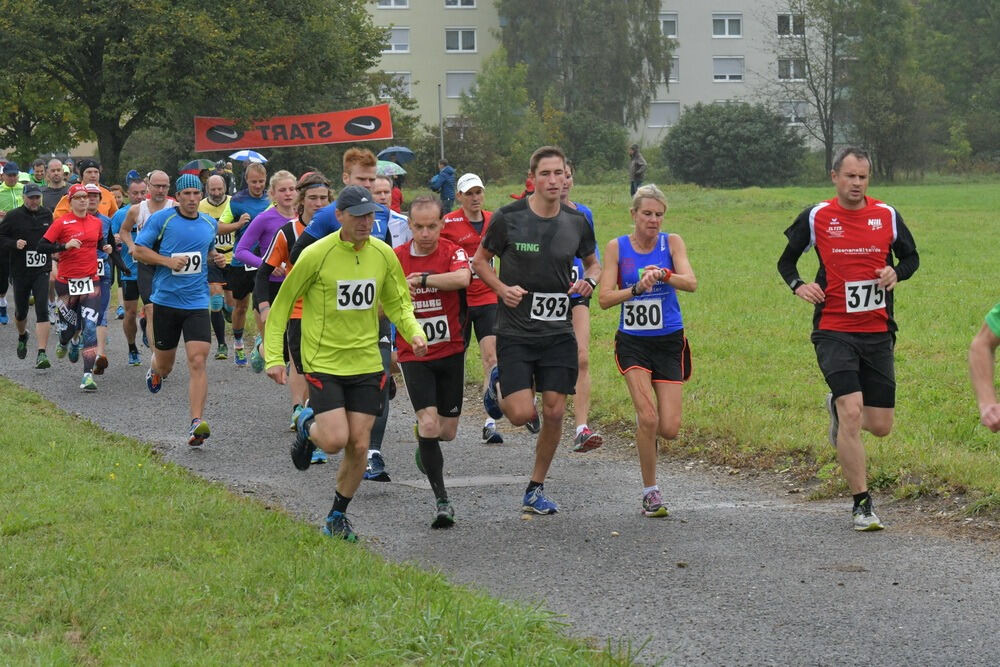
x=437, y=271
x=854, y=333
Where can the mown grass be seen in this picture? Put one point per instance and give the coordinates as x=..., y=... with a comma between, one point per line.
x=111, y=556
x=756, y=395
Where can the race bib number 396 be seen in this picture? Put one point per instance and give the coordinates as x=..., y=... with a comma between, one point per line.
x=864, y=295
x=355, y=294
x=192, y=263
x=549, y=306
x=34, y=259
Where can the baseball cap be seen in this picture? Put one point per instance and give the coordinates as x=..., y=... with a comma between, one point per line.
x=185, y=181
x=356, y=200
x=75, y=190
x=32, y=190
x=92, y=189
x=11, y=168
x=469, y=181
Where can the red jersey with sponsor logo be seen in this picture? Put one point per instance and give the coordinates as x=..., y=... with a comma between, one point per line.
x=77, y=262
x=440, y=313
x=460, y=231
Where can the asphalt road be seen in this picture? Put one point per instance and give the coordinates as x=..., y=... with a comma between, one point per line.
x=739, y=574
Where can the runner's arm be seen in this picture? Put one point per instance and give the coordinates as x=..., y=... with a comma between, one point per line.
x=905, y=249
x=682, y=277
x=799, y=240
x=982, y=360
x=125, y=233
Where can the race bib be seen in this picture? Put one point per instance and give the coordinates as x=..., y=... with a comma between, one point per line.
x=100, y=266
x=355, y=294
x=864, y=295
x=435, y=329
x=80, y=286
x=192, y=264
x=643, y=315
x=224, y=240
x=574, y=274
x=549, y=306
x=34, y=259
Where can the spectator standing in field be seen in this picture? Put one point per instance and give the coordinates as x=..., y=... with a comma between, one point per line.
x=636, y=168
x=444, y=184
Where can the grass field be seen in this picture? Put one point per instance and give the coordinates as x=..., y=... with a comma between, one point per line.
x=756, y=397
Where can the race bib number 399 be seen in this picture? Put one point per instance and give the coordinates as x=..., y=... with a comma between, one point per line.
x=355, y=294
x=80, y=286
x=644, y=315
x=549, y=306
x=192, y=264
x=864, y=295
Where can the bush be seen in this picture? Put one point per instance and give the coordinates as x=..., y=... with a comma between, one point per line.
x=732, y=145
x=592, y=143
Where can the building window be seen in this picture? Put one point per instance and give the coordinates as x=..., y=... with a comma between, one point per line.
x=668, y=24
x=460, y=4
x=793, y=111
x=393, y=4
x=675, y=70
x=456, y=83
x=791, y=69
x=663, y=114
x=727, y=25
x=791, y=25
x=398, y=41
x=727, y=68
x=402, y=79
x=460, y=40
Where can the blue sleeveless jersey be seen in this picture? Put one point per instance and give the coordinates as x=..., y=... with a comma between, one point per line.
x=656, y=312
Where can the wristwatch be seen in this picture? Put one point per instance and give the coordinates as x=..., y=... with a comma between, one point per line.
x=797, y=283
x=591, y=282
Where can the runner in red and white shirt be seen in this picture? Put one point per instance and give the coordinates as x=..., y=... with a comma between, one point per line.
x=856, y=238
x=437, y=271
x=466, y=226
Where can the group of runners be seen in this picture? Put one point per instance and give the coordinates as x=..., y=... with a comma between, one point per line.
x=372, y=288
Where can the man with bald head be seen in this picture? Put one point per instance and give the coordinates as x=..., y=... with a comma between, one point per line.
x=216, y=204
x=56, y=186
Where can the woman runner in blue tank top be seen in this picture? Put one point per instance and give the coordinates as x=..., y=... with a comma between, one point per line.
x=642, y=273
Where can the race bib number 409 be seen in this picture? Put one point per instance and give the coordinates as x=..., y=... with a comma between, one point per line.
x=549, y=306
x=864, y=295
x=192, y=264
x=355, y=294
x=644, y=315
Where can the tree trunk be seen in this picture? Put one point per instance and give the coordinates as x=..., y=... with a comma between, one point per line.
x=110, y=141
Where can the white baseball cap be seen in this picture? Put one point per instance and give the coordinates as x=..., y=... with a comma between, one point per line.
x=469, y=181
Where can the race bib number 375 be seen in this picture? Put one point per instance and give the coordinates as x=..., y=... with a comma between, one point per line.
x=864, y=295
x=355, y=294
x=549, y=306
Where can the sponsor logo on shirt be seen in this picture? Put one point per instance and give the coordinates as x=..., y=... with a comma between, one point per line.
x=874, y=224
x=858, y=251
x=527, y=247
x=835, y=230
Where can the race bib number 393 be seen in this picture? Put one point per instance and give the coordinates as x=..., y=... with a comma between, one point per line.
x=80, y=286
x=192, y=264
x=864, y=295
x=549, y=306
x=643, y=315
x=355, y=294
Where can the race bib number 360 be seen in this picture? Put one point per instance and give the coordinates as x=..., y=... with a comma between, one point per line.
x=80, y=286
x=549, y=306
x=645, y=315
x=192, y=263
x=355, y=294
x=864, y=295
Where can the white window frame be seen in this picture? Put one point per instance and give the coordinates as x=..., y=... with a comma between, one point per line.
x=728, y=77
x=390, y=46
x=787, y=108
x=460, y=30
x=408, y=80
x=459, y=4
x=675, y=70
x=791, y=25
x=393, y=4
x=664, y=102
x=669, y=16
x=727, y=17
x=791, y=69
x=459, y=96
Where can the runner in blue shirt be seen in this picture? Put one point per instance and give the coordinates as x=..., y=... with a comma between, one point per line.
x=130, y=289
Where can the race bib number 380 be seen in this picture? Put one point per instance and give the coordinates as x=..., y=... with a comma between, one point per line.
x=644, y=315
x=549, y=306
x=864, y=295
x=355, y=294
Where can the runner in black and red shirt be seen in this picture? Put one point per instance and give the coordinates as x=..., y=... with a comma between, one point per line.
x=856, y=238
x=437, y=271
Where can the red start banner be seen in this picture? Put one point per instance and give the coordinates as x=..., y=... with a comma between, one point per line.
x=223, y=134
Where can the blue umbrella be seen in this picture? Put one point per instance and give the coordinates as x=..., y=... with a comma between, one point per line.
x=397, y=154
x=248, y=155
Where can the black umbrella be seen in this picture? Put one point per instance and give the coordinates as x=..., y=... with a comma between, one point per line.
x=397, y=154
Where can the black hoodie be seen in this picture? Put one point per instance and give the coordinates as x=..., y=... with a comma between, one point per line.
x=22, y=223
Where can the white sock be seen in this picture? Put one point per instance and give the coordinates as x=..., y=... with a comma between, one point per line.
x=490, y=423
x=648, y=489
x=580, y=428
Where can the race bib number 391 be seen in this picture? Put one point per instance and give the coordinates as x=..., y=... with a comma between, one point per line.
x=864, y=295
x=549, y=306
x=80, y=286
x=355, y=294
x=192, y=264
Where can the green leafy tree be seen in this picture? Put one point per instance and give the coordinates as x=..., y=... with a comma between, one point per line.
x=604, y=57
x=37, y=116
x=732, y=145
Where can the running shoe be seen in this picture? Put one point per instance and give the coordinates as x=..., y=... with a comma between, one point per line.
x=120, y=313
x=100, y=363
x=142, y=328
x=153, y=381
x=199, y=432
x=88, y=384
x=338, y=525
x=587, y=440
x=831, y=407
x=445, y=517
x=491, y=436
x=256, y=359
x=22, y=348
x=133, y=358
x=490, y=400
x=534, y=424
x=375, y=472
x=652, y=504
x=42, y=361
x=3, y=315
x=318, y=456
x=73, y=351
x=241, y=356
x=295, y=417
x=864, y=518
x=60, y=351
x=303, y=448
x=536, y=502
x=222, y=352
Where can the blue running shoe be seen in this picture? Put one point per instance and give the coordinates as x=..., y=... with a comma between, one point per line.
x=338, y=525
x=536, y=503
x=295, y=418
x=133, y=358
x=303, y=448
x=318, y=456
x=256, y=360
x=3, y=314
x=490, y=400
x=240, y=356
x=73, y=351
x=153, y=381
x=375, y=472
x=199, y=432
x=120, y=313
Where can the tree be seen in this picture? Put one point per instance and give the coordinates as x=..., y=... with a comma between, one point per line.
x=599, y=56
x=732, y=145
x=37, y=116
x=135, y=64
